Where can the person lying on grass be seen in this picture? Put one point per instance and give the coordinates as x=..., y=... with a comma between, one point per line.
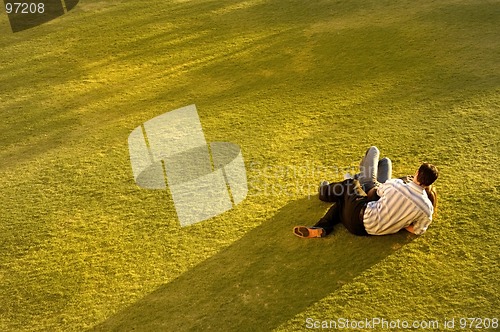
x=374, y=204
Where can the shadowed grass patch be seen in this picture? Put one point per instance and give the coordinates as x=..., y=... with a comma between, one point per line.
x=261, y=280
x=303, y=88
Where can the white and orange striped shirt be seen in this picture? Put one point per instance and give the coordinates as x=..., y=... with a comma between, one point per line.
x=400, y=205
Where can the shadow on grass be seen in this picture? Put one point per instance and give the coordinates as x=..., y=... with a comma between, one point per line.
x=261, y=280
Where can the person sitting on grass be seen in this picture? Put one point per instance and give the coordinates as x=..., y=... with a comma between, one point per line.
x=387, y=205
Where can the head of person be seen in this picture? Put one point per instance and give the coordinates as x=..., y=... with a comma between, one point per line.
x=426, y=175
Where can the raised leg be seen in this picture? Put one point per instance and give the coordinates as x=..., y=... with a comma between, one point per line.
x=368, y=169
x=384, y=170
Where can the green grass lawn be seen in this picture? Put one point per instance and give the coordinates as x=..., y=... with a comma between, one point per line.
x=303, y=87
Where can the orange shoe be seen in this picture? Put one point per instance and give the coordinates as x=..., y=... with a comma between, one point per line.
x=308, y=232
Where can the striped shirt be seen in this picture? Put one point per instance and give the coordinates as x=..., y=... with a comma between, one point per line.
x=400, y=205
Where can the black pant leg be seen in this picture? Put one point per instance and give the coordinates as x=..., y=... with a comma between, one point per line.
x=330, y=219
x=354, y=200
x=333, y=192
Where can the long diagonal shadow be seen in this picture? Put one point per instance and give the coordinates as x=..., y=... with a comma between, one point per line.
x=261, y=280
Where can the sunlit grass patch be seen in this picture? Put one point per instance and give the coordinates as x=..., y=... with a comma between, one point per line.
x=303, y=88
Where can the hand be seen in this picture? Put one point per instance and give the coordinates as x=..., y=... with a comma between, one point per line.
x=407, y=178
x=410, y=229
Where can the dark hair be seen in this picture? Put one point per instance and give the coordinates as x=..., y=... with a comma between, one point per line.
x=427, y=174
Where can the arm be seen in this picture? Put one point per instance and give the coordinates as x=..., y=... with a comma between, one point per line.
x=419, y=227
x=407, y=179
x=380, y=189
x=376, y=192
